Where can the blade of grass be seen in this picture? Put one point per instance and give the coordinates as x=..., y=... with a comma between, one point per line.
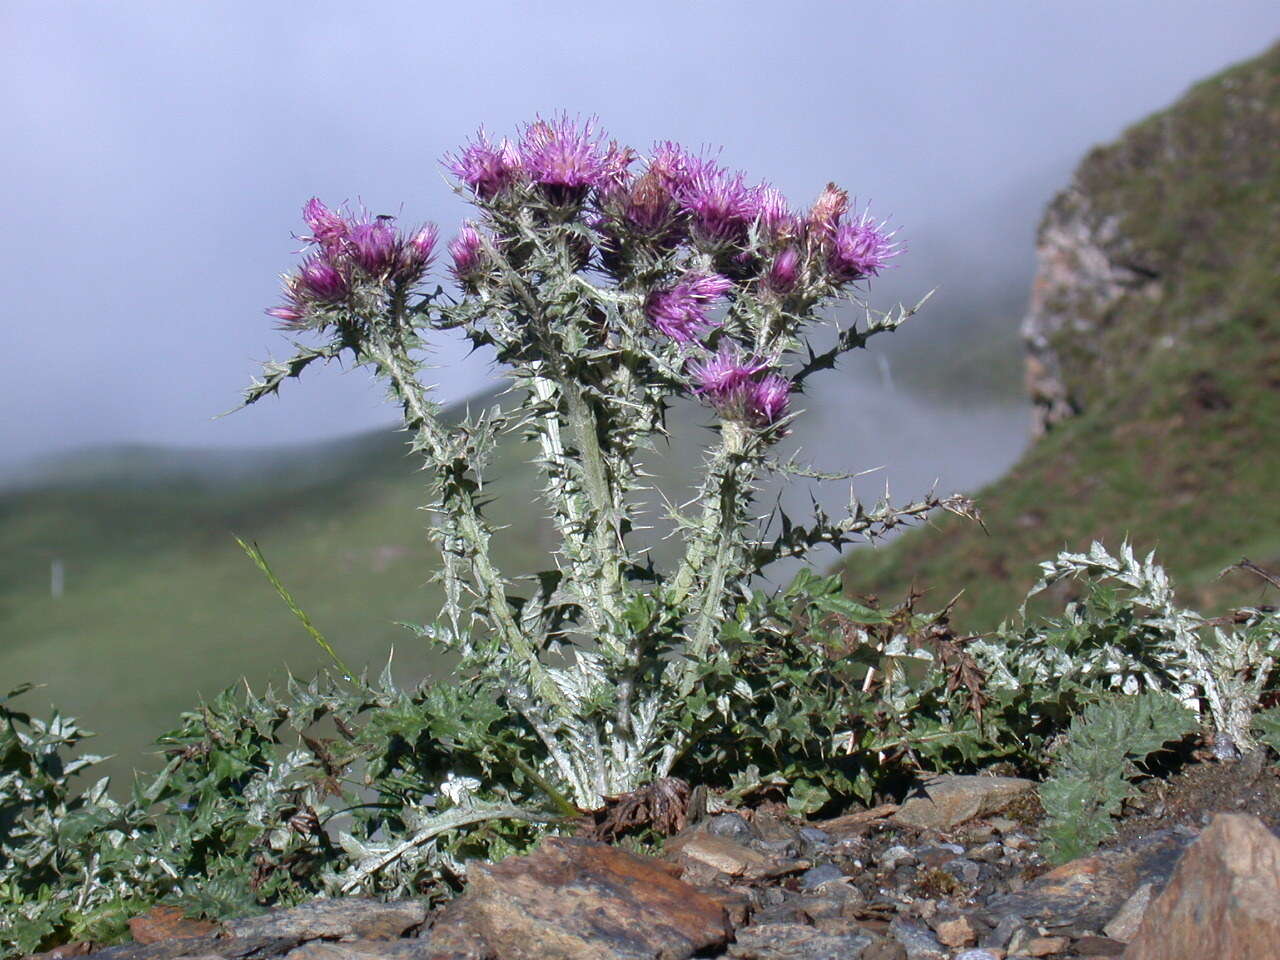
x=255, y=554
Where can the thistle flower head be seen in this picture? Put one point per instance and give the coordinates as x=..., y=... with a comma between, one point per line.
x=320, y=280
x=645, y=205
x=718, y=377
x=416, y=253
x=568, y=157
x=467, y=251
x=774, y=212
x=861, y=248
x=374, y=245
x=289, y=315
x=681, y=312
x=783, y=273
x=328, y=227
x=718, y=202
x=487, y=168
x=766, y=399
x=671, y=164
x=824, y=216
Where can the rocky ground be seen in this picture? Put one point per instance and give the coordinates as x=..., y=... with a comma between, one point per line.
x=954, y=873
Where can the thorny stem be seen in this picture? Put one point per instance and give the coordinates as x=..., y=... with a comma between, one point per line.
x=472, y=528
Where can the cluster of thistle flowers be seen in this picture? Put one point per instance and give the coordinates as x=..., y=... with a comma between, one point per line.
x=350, y=254
x=741, y=239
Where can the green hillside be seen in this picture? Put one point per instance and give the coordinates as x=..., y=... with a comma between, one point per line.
x=145, y=537
x=1158, y=297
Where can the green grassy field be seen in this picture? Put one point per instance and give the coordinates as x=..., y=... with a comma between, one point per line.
x=151, y=565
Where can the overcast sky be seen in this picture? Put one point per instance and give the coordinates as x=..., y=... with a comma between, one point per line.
x=155, y=155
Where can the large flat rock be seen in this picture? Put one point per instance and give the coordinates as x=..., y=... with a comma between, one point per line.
x=581, y=900
x=951, y=800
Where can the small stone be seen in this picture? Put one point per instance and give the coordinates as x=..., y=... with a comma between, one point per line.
x=817, y=876
x=734, y=826
x=956, y=932
x=363, y=950
x=988, y=853
x=895, y=855
x=1091, y=946
x=854, y=823
x=885, y=950
x=727, y=856
x=966, y=871
x=1044, y=946
x=979, y=954
x=917, y=940
x=168, y=923
x=1124, y=925
x=951, y=800
x=1003, y=825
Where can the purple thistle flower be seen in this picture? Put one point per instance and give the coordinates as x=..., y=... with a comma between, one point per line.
x=774, y=212
x=467, y=251
x=766, y=399
x=320, y=280
x=328, y=227
x=487, y=168
x=681, y=312
x=720, y=206
x=860, y=248
x=723, y=374
x=647, y=206
x=290, y=316
x=568, y=157
x=783, y=272
x=672, y=165
x=375, y=246
x=416, y=252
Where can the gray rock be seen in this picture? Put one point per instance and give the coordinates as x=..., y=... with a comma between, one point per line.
x=951, y=800
x=351, y=918
x=795, y=941
x=819, y=875
x=227, y=948
x=895, y=855
x=918, y=940
x=966, y=871
x=814, y=840
x=734, y=826
x=364, y=950
x=1124, y=925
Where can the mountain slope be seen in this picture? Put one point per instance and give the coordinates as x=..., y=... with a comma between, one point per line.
x=1154, y=362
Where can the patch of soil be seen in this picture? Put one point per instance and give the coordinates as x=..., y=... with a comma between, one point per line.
x=1191, y=796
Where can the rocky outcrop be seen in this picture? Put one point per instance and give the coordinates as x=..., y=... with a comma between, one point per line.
x=1140, y=219
x=1085, y=270
x=1223, y=900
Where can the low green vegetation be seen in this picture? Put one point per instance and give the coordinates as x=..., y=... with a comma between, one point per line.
x=356, y=785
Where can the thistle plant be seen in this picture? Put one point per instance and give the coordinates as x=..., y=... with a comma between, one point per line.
x=608, y=286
